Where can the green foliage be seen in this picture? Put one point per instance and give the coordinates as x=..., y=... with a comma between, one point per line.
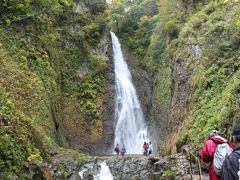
x=41, y=56
x=125, y=17
x=162, y=89
x=12, y=154
x=145, y=30
x=89, y=91
x=172, y=28
x=215, y=78
x=6, y=105
x=14, y=10
x=91, y=34
x=35, y=157
x=96, y=6
x=169, y=174
x=20, y=10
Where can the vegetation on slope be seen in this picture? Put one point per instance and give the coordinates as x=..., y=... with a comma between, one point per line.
x=52, y=79
x=215, y=71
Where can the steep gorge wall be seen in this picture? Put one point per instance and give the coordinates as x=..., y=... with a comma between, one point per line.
x=56, y=86
x=105, y=144
x=206, y=70
x=100, y=141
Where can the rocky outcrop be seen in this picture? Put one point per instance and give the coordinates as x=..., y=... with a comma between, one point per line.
x=180, y=91
x=105, y=143
x=63, y=165
x=131, y=168
x=134, y=167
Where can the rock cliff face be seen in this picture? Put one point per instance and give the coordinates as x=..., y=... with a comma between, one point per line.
x=96, y=137
x=133, y=167
x=105, y=143
x=180, y=94
x=147, y=87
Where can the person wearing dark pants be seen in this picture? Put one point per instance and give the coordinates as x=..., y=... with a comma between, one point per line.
x=231, y=164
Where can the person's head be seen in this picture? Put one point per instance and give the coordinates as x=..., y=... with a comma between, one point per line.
x=212, y=133
x=236, y=135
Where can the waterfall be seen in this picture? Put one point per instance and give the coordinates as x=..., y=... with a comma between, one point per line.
x=105, y=173
x=131, y=130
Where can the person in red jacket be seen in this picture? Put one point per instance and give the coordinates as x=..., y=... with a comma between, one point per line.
x=208, y=150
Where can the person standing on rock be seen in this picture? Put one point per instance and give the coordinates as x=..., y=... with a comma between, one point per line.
x=123, y=150
x=231, y=164
x=117, y=150
x=150, y=148
x=145, y=149
x=208, y=150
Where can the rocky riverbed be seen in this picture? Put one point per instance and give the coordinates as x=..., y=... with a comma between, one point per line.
x=138, y=167
x=130, y=167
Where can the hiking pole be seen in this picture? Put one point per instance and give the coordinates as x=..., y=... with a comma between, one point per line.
x=199, y=166
x=190, y=156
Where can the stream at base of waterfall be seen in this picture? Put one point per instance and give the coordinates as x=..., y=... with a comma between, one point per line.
x=104, y=173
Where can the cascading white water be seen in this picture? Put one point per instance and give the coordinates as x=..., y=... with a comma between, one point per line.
x=131, y=130
x=105, y=173
x=81, y=173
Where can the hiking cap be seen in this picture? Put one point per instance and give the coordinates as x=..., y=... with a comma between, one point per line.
x=213, y=132
x=236, y=130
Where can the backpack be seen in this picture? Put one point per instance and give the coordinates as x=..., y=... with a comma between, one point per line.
x=116, y=149
x=222, y=150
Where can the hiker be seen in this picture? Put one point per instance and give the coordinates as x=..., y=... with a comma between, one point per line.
x=150, y=148
x=145, y=149
x=117, y=150
x=231, y=168
x=123, y=150
x=208, y=150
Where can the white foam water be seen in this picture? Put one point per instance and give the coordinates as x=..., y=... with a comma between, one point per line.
x=105, y=173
